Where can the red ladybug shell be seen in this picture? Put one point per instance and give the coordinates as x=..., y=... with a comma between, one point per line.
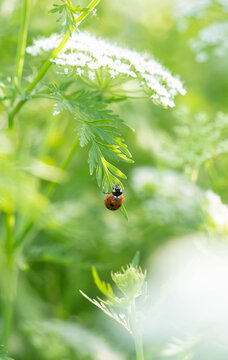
x=113, y=202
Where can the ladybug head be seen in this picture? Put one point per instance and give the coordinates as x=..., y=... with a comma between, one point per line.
x=117, y=190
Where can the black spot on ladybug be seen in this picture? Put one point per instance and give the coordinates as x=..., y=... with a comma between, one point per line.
x=111, y=205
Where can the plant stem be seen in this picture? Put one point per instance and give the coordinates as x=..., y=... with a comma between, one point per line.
x=49, y=191
x=9, y=225
x=10, y=280
x=7, y=321
x=48, y=62
x=138, y=347
x=10, y=245
x=136, y=333
x=22, y=42
x=51, y=187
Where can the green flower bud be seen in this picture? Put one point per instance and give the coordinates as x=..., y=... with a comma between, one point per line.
x=130, y=281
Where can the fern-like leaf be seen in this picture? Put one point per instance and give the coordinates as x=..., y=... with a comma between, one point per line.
x=4, y=354
x=67, y=14
x=99, y=128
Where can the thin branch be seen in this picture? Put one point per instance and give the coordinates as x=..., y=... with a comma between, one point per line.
x=48, y=62
x=22, y=40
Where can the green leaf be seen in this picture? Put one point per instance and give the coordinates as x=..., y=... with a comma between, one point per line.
x=4, y=354
x=199, y=139
x=100, y=127
x=105, y=288
x=124, y=212
x=106, y=183
x=102, y=122
x=84, y=135
x=123, y=146
x=136, y=259
x=114, y=169
x=93, y=158
x=68, y=14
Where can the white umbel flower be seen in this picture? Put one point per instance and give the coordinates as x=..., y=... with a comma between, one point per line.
x=85, y=53
x=195, y=8
x=214, y=37
x=185, y=9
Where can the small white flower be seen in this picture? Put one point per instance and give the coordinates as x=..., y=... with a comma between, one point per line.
x=84, y=51
x=167, y=102
x=91, y=75
x=55, y=112
x=79, y=71
x=113, y=73
x=155, y=96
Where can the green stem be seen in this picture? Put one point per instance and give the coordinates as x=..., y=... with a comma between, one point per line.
x=136, y=333
x=24, y=233
x=67, y=161
x=138, y=347
x=70, y=6
x=49, y=191
x=22, y=42
x=9, y=225
x=48, y=62
x=10, y=281
x=7, y=321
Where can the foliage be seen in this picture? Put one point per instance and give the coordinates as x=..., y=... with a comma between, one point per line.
x=200, y=140
x=68, y=14
x=98, y=127
x=4, y=355
x=77, y=110
x=131, y=283
x=211, y=38
x=107, y=66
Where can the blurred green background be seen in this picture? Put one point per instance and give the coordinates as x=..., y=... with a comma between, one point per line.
x=177, y=159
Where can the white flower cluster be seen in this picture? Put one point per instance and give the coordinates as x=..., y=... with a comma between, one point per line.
x=214, y=36
x=194, y=8
x=85, y=53
x=184, y=9
x=169, y=196
x=217, y=211
x=166, y=182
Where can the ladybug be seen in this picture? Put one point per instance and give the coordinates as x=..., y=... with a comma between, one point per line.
x=114, y=200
